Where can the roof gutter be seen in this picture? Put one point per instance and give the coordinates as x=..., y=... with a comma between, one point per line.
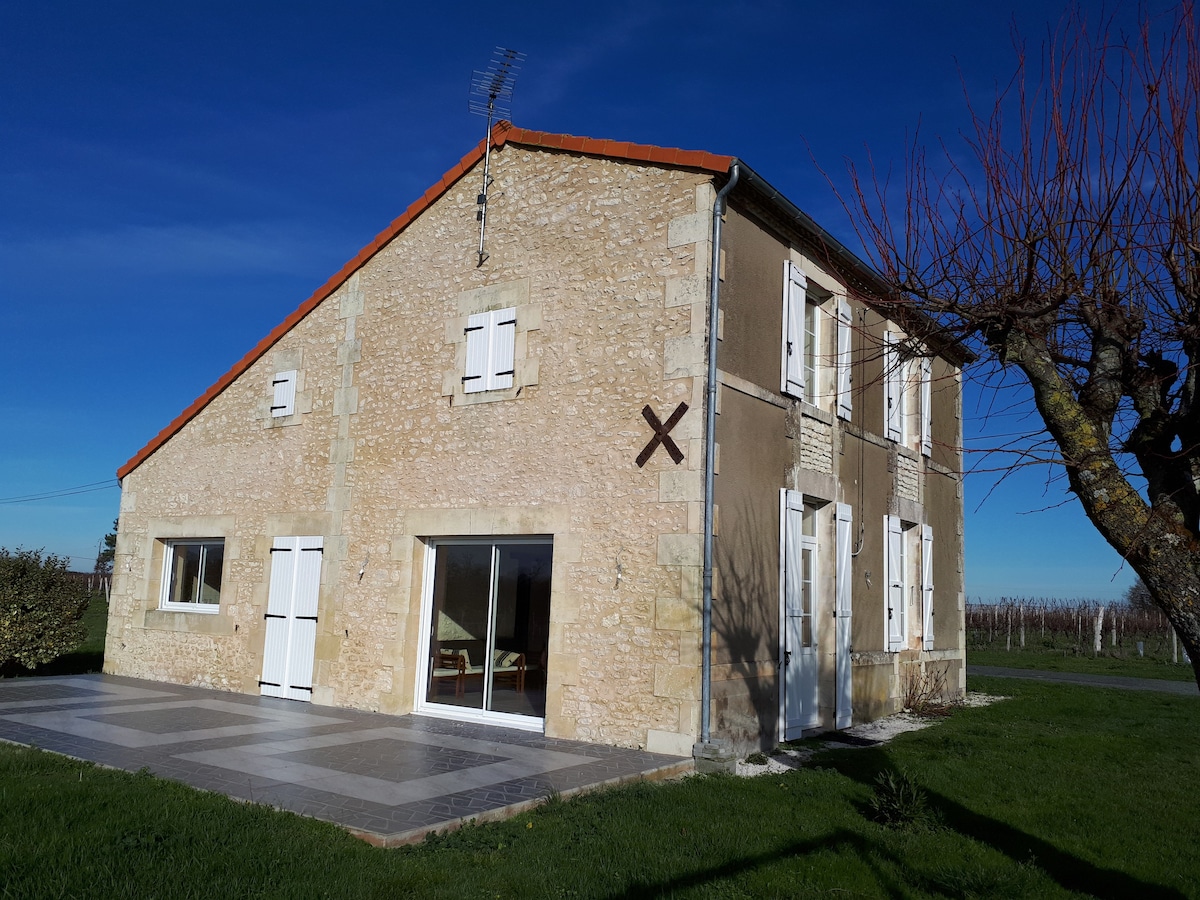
x=800, y=218
x=710, y=441
x=870, y=282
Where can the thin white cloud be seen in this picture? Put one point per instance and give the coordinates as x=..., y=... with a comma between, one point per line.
x=176, y=249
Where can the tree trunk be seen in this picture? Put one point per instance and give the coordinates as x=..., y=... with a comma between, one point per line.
x=1154, y=540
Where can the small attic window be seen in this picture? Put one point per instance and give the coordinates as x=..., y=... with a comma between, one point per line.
x=283, y=394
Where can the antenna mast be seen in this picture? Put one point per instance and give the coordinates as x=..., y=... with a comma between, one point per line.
x=491, y=94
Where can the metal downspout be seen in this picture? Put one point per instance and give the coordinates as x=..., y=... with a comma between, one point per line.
x=710, y=431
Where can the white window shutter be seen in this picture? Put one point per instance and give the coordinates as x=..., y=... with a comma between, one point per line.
x=843, y=607
x=893, y=394
x=475, y=376
x=793, y=565
x=926, y=407
x=291, y=617
x=893, y=583
x=794, y=287
x=302, y=651
x=927, y=586
x=845, y=379
x=503, y=343
x=843, y=517
x=279, y=602
x=283, y=394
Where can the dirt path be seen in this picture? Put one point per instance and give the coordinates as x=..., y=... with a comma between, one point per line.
x=1111, y=681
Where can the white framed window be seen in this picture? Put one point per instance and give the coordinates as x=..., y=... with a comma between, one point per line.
x=801, y=350
x=812, y=347
x=283, y=394
x=844, y=378
x=491, y=342
x=192, y=571
x=908, y=408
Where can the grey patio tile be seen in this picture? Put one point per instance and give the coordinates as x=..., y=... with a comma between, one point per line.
x=383, y=775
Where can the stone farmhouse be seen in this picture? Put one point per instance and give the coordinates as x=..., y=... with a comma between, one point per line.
x=478, y=475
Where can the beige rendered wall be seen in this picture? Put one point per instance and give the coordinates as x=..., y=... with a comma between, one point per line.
x=606, y=263
x=768, y=441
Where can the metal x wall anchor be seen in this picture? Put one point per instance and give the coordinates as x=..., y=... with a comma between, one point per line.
x=662, y=435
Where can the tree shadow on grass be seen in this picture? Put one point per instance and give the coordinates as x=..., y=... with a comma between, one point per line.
x=1068, y=870
x=837, y=842
x=894, y=875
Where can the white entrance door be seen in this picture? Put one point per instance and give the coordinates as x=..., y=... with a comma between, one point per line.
x=844, y=678
x=292, y=617
x=799, y=554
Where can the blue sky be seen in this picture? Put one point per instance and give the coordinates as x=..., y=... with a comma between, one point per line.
x=176, y=178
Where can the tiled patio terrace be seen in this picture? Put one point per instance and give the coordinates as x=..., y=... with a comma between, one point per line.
x=387, y=779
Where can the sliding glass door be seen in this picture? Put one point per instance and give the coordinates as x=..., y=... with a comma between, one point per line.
x=489, y=625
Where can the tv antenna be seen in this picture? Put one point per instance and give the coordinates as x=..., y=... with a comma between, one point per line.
x=491, y=96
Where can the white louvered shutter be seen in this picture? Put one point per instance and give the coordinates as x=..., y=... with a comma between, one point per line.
x=845, y=378
x=304, y=618
x=926, y=407
x=291, y=617
x=283, y=394
x=503, y=342
x=792, y=525
x=893, y=394
x=475, y=376
x=927, y=586
x=843, y=519
x=894, y=583
x=278, y=615
x=794, y=289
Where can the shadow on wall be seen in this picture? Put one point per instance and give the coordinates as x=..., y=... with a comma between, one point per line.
x=745, y=688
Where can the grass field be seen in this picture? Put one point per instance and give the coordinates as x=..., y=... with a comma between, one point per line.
x=1064, y=661
x=1060, y=791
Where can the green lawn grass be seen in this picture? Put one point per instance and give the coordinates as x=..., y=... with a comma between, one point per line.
x=1067, y=661
x=1060, y=791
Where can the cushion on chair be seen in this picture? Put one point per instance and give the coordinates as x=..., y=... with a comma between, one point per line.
x=506, y=659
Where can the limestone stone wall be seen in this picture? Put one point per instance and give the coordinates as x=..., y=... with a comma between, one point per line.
x=816, y=445
x=606, y=263
x=907, y=477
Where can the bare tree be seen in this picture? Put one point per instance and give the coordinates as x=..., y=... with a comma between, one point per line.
x=1064, y=245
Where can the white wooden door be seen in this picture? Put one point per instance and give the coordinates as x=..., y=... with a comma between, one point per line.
x=291, y=617
x=844, y=680
x=800, y=669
